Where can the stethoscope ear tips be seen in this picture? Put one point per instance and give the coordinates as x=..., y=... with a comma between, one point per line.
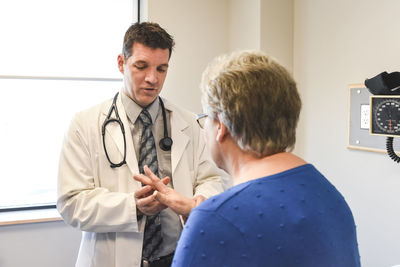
x=166, y=144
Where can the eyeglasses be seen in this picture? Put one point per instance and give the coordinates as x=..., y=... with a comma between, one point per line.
x=201, y=119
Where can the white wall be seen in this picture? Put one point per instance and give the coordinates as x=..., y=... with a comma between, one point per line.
x=337, y=43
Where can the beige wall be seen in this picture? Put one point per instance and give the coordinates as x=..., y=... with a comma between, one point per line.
x=200, y=29
x=276, y=34
x=263, y=24
x=337, y=43
x=204, y=29
x=244, y=24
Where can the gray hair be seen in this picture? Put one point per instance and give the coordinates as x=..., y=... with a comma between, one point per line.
x=256, y=98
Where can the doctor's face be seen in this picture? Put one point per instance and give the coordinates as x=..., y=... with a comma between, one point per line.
x=144, y=73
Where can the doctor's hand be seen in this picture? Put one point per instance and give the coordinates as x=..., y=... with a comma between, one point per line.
x=146, y=202
x=179, y=203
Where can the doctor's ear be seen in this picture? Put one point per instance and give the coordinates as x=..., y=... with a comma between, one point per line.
x=121, y=61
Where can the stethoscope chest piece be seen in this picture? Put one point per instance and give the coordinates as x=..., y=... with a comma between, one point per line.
x=166, y=143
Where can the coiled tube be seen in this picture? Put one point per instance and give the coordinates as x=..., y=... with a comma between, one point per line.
x=390, y=150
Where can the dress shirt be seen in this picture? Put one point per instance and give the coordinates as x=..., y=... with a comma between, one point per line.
x=170, y=221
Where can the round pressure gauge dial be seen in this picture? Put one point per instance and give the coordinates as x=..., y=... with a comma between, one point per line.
x=385, y=115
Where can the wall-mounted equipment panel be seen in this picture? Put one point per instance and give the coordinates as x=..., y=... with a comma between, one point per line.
x=359, y=136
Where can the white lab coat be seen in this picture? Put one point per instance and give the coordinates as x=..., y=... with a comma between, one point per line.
x=99, y=200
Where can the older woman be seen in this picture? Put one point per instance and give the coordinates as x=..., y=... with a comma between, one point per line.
x=281, y=210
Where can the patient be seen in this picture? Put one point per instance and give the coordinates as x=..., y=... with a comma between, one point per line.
x=282, y=211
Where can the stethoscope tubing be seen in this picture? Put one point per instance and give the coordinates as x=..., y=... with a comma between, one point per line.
x=165, y=143
x=121, y=125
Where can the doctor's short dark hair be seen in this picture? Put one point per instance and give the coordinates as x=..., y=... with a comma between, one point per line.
x=149, y=34
x=256, y=98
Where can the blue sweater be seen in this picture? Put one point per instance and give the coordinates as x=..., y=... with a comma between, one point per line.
x=293, y=218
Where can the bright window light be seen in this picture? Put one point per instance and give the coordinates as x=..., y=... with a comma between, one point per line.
x=57, y=58
x=71, y=38
x=36, y=116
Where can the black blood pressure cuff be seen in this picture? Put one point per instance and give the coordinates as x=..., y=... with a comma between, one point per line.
x=384, y=84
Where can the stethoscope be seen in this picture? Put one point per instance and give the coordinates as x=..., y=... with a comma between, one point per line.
x=165, y=143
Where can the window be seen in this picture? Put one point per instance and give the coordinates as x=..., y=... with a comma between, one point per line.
x=57, y=58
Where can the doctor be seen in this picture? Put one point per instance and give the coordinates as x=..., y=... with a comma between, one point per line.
x=111, y=208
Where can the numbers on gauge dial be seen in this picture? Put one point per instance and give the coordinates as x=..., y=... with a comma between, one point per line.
x=387, y=116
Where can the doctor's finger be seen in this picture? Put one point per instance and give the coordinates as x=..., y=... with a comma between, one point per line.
x=143, y=179
x=165, y=180
x=150, y=174
x=161, y=185
x=158, y=184
x=145, y=202
x=152, y=208
x=144, y=191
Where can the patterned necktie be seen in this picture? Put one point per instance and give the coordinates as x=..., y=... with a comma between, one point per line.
x=148, y=156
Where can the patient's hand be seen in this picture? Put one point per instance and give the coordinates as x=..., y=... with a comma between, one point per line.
x=179, y=203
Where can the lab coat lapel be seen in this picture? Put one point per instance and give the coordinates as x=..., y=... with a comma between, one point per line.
x=114, y=131
x=179, y=137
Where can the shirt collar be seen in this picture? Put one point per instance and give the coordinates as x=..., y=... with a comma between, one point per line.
x=133, y=110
